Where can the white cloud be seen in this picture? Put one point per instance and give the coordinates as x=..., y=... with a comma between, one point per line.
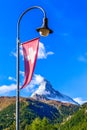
x=21, y=51
x=42, y=54
x=33, y=85
x=11, y=78
x=14, y=54
x=22, y=73
x=4, y=89
x=37, y=79
x=80, y=100
x=50, y=53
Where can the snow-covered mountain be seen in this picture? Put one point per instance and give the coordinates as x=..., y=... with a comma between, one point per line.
x=45, y=91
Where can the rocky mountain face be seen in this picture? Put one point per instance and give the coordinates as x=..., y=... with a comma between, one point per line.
x=45, y=91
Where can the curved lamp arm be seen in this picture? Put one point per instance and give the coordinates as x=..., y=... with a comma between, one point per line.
x=43, y=30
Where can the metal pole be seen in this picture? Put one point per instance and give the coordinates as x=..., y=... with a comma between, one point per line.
x=18, y=83
x=18, y=63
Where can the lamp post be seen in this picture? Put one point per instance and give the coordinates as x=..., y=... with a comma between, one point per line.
x=44, y=31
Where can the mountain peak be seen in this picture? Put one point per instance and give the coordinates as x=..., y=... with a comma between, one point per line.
x=47, y=92
x=44, y=88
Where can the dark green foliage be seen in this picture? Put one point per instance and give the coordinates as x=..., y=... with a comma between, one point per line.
x=67, y=110
x=78, y=120
x=44, y=110
x=7, y=117
x=36, y=115
x=39, y=124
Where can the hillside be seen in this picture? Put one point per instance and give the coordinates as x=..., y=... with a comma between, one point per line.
x=5, y=102
x=30, y=109
x=78, y=121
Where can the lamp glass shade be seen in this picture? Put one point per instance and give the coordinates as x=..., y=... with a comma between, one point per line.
x=44, y=32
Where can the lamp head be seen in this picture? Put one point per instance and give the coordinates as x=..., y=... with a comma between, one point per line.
x=44, y=30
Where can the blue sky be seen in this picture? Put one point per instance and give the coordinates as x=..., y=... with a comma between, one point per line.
x=62, y=58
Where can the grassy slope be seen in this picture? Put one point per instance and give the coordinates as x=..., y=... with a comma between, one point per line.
x=78, y=121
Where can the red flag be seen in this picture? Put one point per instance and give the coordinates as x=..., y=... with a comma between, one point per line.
x=30, y=51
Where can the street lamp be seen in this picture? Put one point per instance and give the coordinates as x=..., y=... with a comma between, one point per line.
x=44, y=31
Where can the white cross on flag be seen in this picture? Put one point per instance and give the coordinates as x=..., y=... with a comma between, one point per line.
x=30, y=51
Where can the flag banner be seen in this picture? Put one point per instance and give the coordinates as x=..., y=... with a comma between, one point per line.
x=30, y=51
